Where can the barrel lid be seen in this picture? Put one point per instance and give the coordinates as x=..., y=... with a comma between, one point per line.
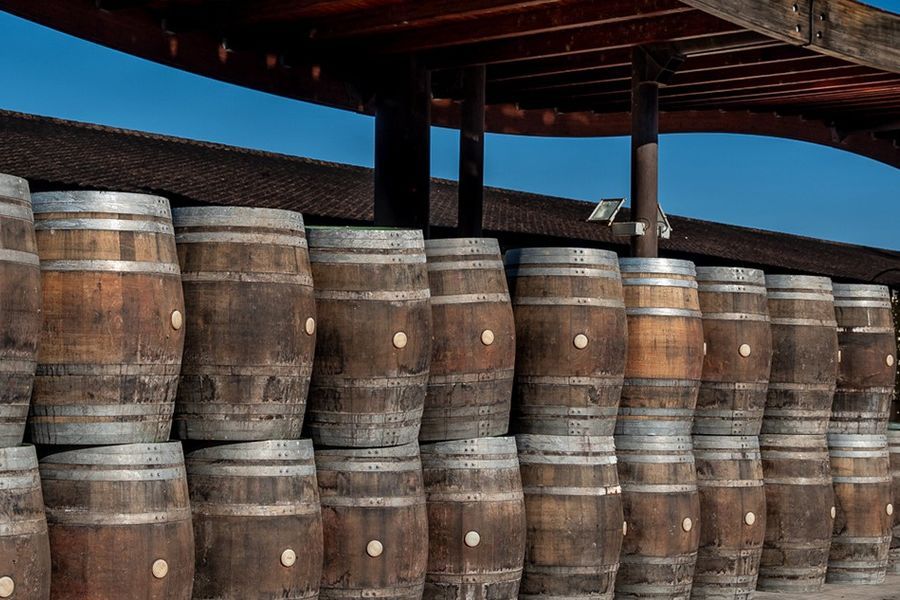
x=18, y=458
x=800, y=282
x=14, y=187
x=579, y=256
x=486, y=445
x=861, y=290
x=286, y=450
x=740, y=275
x=237, y=216
x=77, y=201
x=125, y=454
x=532, y=442
x=671, y=266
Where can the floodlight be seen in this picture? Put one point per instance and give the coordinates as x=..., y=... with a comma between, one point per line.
x=606, y=210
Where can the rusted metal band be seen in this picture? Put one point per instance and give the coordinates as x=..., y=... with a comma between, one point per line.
x=466, y=265
x=160, y=227
x=729, y=483
x=552, y=490
x=735, y=386
x=114, y=370
x=800, y=387
x=454, y=378
x=445, y=463
x=68, y=516
x=301, y=279
x=118, y=266
x=239, y=237
x=139, y=473
x=123, y=203
x=469, y=299
x=742, y=443
x=269, y=370
x=659, y=282
x=564, y=380
x=663, y=312
x=657, y=444
x=526, y=271
x=252, y=470
x=862, y=304
x=327, y=381
x=474, y=496
x=238, y=216
x=374, y=295
x=215, y=509
x=158, y=409
x=567, y=301
x=803, y=322
x=371, y=501
x=734, y=316
x=317, y=256
x=395, y=592
x=140, y=455
x=287, y=451
x=566, y=570
x=477, y=576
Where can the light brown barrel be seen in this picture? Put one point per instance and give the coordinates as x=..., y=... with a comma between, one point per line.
x=665, y=347
x=476, y=519
x=120, y=523
x=893, y=437
x=474, y=341
x=20, y=307
x=24, y=546
x=662, y=509
x=799, y=513
x=250, y=324
x=868, y=359
x=733, y=521
x=373, y=346
x=804, y=355
x=113, y=311
x=570, y=340
x=575, y=524
x=861, y=472
x=738, y=351
x=375, y=523
x=257, y=523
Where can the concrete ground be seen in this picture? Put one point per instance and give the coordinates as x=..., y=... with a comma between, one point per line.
x=889, y=590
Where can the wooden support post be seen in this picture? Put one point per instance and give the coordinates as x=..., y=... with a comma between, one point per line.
x=471, y=154
x=403, y=145
x=644, y=154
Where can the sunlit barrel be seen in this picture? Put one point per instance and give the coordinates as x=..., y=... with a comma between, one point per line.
x=893, y=436
x=113, y=315
x=738, y=351
x=570, y=340
x=665, y=347
x=373, y=345
x=20, y=307
x=257, y=524
x=476, y=519
x=250, y=324
x=575, y=524
x=804, y=355
x=473, y=345
x=120, y=523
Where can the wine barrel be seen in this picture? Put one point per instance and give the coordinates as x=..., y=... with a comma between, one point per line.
x=373, y=346
x=665, y=347
x=24, y=546
x=375, y=523
x=799, y=513
x=474, y=341
x=738, y=351
x=733, y=525
x=573, y=508
x=662, y=509
x=804, y=355
x=250, y=335
x=893, y=437
x=861, y=472
x=476, y=519
x=20, y=307
x=257, y=523
x=570, y=340
x=868, y=353
x=120, y=523
x=113, y=310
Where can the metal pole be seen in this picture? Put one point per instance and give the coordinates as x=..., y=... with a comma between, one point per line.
x=644, y=155
x=471, y=154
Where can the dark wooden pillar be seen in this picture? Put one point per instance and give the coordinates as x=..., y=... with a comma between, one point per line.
x=644, y=154
x=471, y=154
x=403, y=145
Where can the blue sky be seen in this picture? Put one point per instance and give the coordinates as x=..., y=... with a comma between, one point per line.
x=753, y=181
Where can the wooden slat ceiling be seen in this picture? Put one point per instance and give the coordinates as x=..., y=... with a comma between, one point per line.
x=826, y=71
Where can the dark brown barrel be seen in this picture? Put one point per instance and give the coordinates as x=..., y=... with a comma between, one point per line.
x=375, y=523
x=120, y=523
x=473, y=346
x=799, y=513
x=113, y=311
x=662, y=510
x=861, y=472
x=893, y=437
x=804, y=355
x=250, y=334
x=665, y=347
x=570, y=340
x=733, y=522
x=476, y=519
x=257, y=523
x=24, y=546
x=738, y=351
x=20, y=307
x=373, y=346
x=575, y=524
x=868, y=354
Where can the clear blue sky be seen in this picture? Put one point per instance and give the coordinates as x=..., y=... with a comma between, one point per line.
x=753, y=181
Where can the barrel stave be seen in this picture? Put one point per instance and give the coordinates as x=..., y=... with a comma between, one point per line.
x=893, y=437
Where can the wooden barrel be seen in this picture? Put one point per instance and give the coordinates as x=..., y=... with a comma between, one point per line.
x=375, y=523
x=733, y=523
x=861, y=472
x=893, y=436
x=476, y=519
x=373, y=347
x=20, y=307
x=120, y=523
x=804, y=355
x=250, y=335
x=113, y=311
x=257, y=523
x=799, y=513
x=24, y=546
x=665, y=347
x=662, y=509
x=575, y=524
x=868, y=354
x=738, y=351
x=474, y=341
x=570, y=340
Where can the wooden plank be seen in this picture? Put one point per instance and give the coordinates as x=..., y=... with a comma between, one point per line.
x=471, y=154
x=857, y=32
x=786, y=20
